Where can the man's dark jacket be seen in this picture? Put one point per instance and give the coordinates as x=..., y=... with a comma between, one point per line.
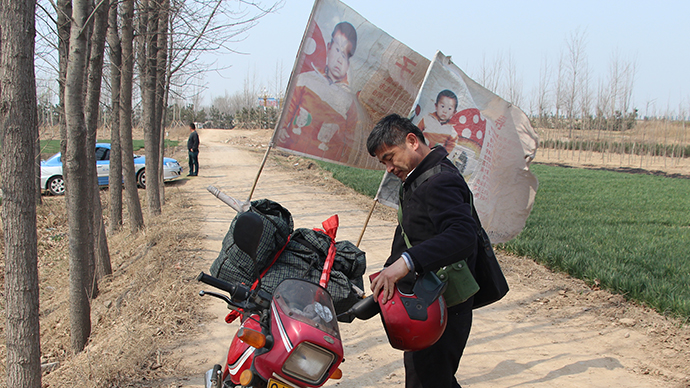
x=437, y=218
x=193, y=142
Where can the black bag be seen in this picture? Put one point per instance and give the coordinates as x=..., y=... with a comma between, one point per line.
x=487, y=272
x=304, y=258
x=235, y=266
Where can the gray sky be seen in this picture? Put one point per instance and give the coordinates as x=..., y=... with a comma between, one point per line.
x=654, y=35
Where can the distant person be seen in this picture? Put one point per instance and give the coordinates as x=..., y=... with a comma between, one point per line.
x=437, y=126
x=322, y=113
x=193, y=148
x=436, y=229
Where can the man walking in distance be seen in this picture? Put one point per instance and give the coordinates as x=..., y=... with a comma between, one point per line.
x=193, y=148
x=437, y=219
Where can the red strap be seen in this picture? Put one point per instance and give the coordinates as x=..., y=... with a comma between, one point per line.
x=234, y=314
x=256, y=282
x=330, y=227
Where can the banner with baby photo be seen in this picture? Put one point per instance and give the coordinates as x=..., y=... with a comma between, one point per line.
x=489, y=140
x=348, y=74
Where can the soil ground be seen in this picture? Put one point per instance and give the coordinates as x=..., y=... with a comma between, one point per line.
x=550, y=330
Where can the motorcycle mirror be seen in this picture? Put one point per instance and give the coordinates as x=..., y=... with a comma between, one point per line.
x=247, y=234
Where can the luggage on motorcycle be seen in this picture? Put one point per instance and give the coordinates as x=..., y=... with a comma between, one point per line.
x=304, y=258
x=234, y=265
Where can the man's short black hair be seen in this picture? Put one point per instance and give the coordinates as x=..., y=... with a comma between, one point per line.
x=192, y=126
x=391, y=131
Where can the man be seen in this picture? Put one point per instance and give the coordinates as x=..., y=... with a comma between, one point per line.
x=193, y=148
x=437, y=219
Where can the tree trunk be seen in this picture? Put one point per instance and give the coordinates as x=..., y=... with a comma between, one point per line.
x=148, y=53
x=77, y=186
x=161, y=95
x=19, y=128
x=63, y=26
x=101, y=266
x=136, y=219
x=115, y=177
x=37, y=168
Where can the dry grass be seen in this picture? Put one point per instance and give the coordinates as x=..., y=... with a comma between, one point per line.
x=651, y=148
x=146, y=307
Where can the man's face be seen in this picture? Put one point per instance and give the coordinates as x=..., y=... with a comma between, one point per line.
x=338, y=57
x=445, y=108
x=400, y=159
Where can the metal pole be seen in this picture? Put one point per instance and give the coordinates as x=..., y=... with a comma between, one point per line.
x=261, y=168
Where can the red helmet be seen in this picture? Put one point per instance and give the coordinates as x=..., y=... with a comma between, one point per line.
x=415, y=320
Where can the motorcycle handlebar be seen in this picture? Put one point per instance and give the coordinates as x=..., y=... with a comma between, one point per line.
x=237, y=292
x=241, y=295
x=217, y=283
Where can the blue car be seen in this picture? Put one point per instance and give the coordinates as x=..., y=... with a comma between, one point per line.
x=52, y=179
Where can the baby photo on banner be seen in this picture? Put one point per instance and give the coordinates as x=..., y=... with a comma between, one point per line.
x=347, y=75
x=489, y=140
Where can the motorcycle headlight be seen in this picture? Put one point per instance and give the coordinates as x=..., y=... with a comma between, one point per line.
x=309, y=363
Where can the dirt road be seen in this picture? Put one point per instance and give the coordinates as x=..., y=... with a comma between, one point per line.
x=549, y=331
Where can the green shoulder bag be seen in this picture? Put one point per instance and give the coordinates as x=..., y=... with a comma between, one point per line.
x=461, y=285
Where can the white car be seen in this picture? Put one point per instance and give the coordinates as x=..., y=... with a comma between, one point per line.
x=52, y=179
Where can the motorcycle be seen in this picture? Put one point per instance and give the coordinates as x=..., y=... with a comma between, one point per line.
x=289, y=339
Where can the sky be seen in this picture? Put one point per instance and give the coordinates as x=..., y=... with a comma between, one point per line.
x=652, y=35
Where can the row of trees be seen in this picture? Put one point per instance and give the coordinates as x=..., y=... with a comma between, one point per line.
x=567, y=96
x=153, y=47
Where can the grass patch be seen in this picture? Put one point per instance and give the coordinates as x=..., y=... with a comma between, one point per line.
x=50, y=147
x=362, y=181
x=629, y=232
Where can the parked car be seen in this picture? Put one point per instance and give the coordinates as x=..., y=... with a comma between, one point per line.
x=52, y=179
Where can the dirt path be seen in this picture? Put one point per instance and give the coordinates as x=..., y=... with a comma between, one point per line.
x=549, y=331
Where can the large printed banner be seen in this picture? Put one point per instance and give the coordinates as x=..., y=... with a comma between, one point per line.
x=348, y=74
x=489, y=140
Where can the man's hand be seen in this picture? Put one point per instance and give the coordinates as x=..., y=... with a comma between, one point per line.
x=386, y=280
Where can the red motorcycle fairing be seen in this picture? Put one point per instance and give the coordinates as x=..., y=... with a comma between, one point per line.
x=293, y=324
x=240, y=355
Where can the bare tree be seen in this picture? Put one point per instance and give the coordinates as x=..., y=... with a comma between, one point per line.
x=148, y=69
x=78, y=182
x=197, y=27
x=574, y=63
x=614, y=85
x=602, y=106
x=514, y=83
x=115, y=174
x=490, y=73
x=64, y=13
x=136, y=219
x=19, y=136
x=628, y=81
x=99, y=28
x=161, y=91
x=543, y=96
x=37, y=168
x=586, y=96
